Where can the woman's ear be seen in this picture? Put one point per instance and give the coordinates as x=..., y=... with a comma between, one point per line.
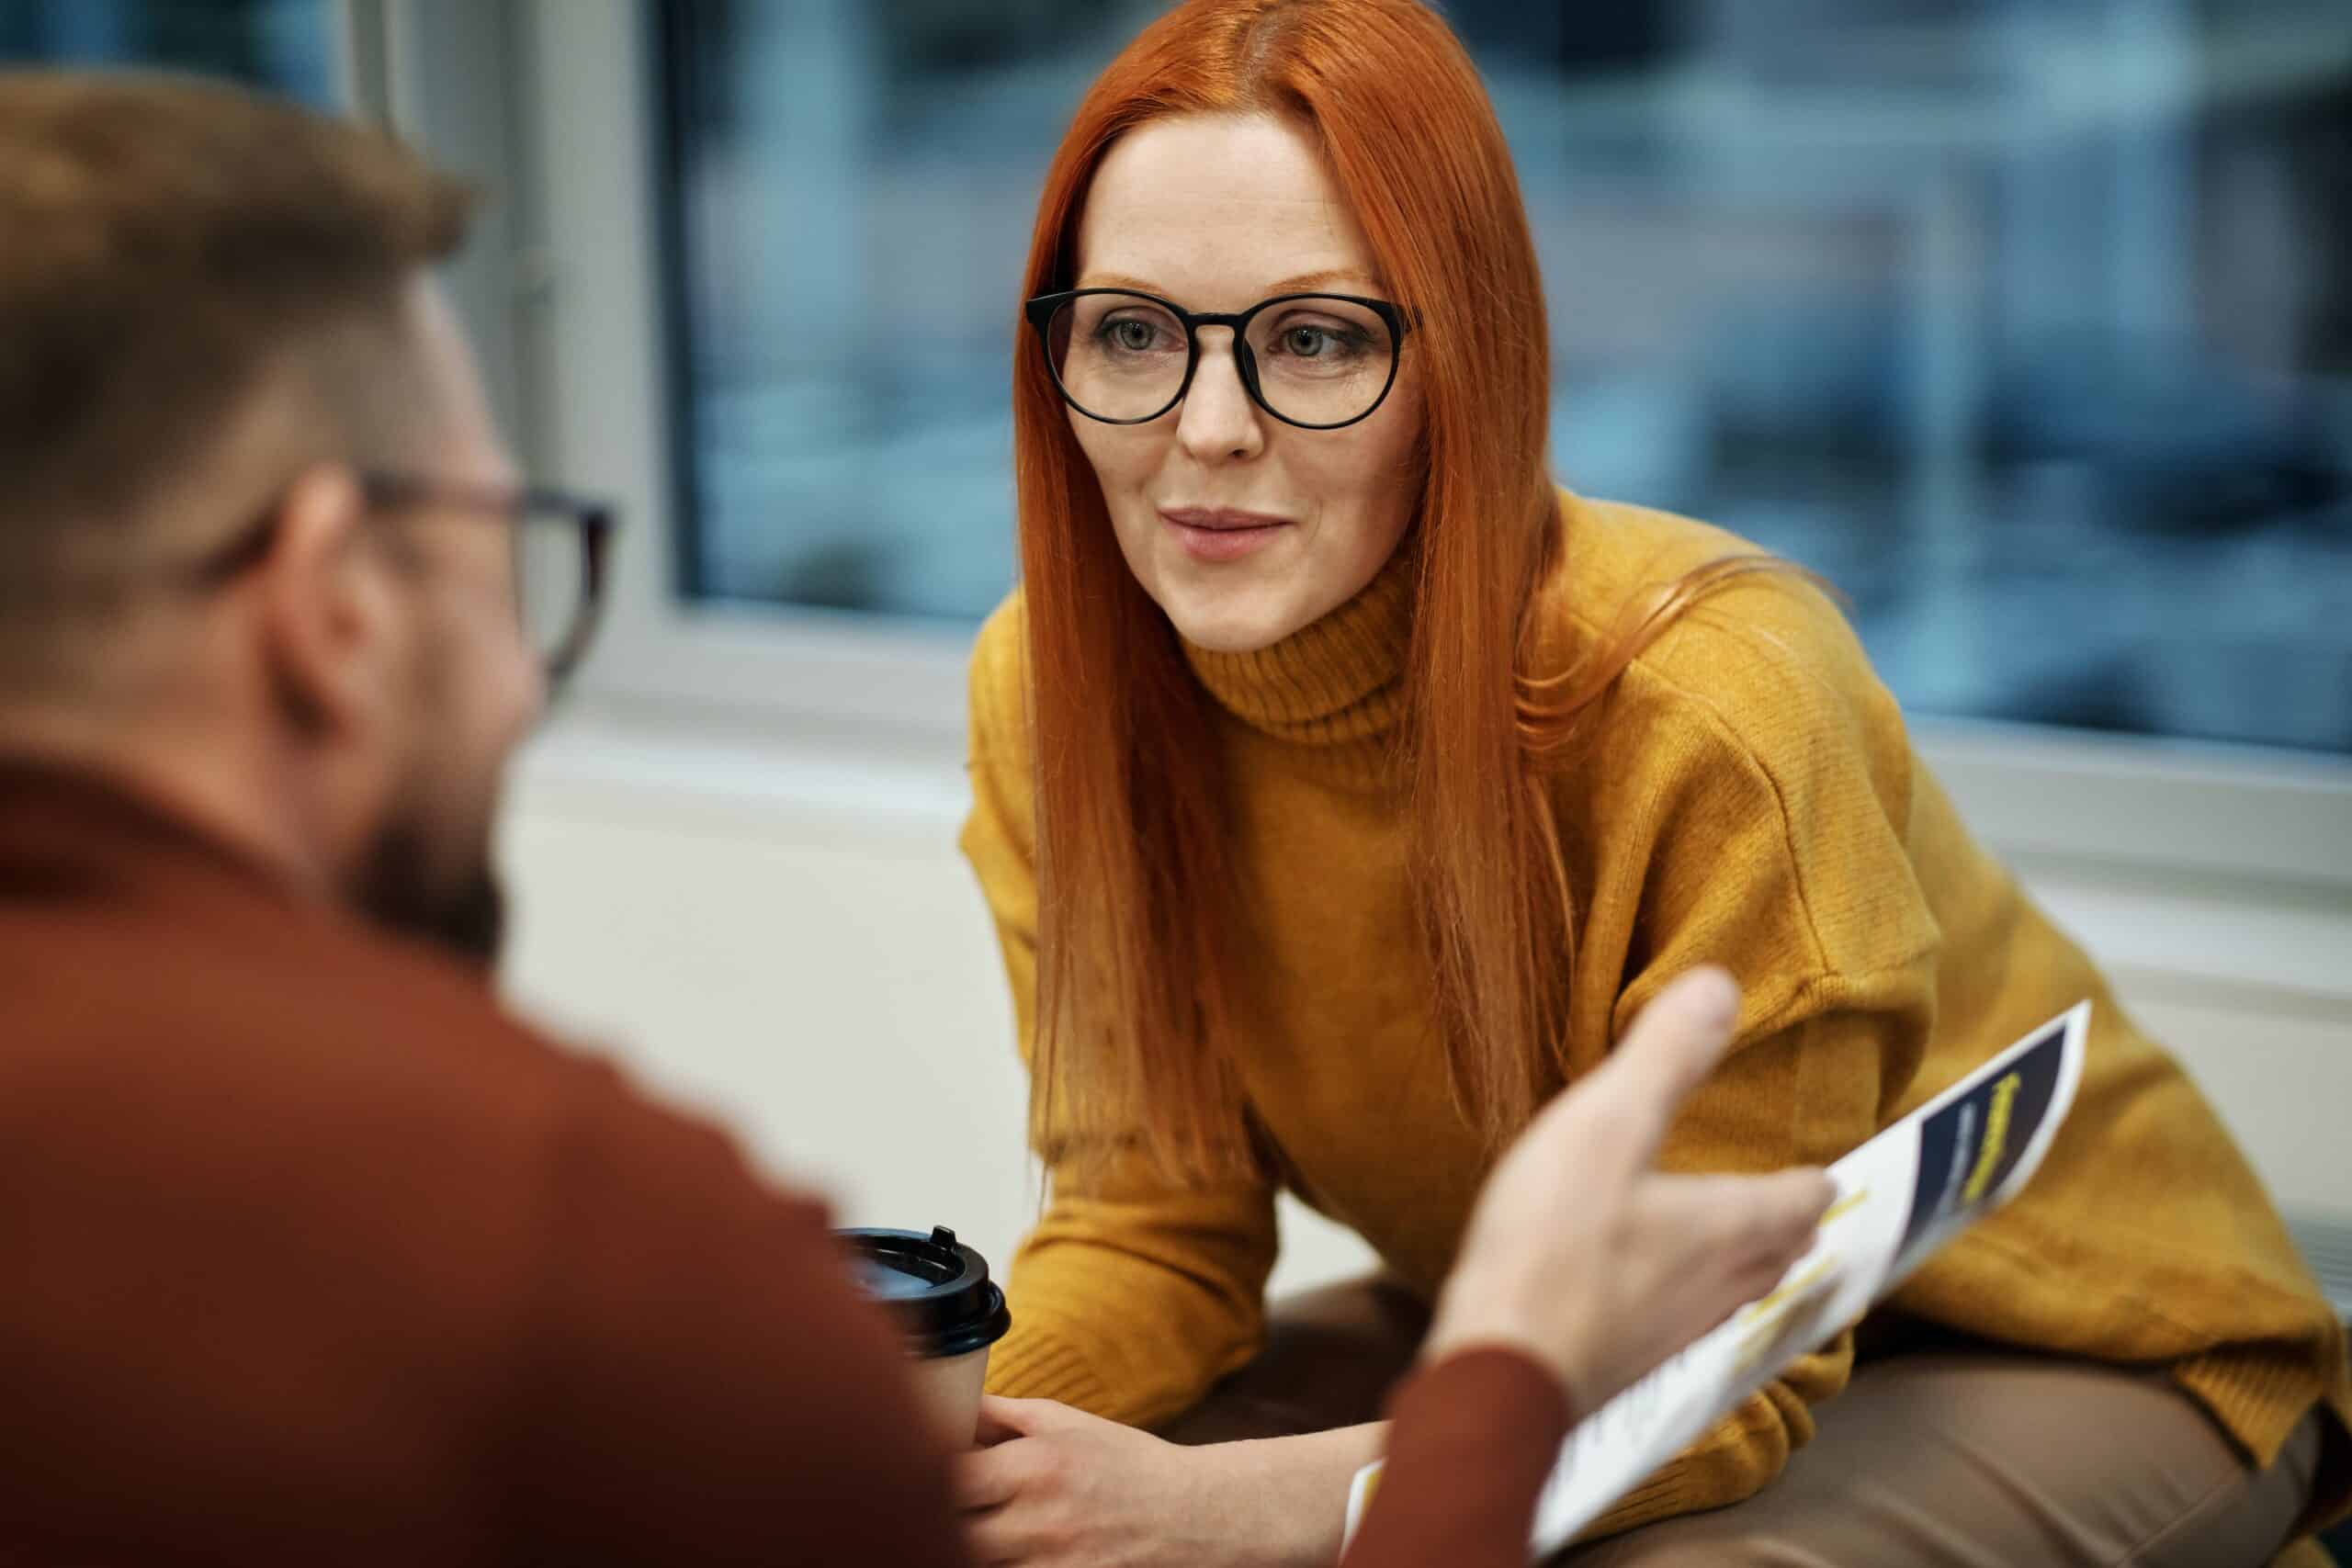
x=329, y=609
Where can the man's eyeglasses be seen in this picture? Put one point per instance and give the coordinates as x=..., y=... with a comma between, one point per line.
x=562, y=545
x=1318, y=361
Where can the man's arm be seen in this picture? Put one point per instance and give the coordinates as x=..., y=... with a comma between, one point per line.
x=1474, y=1439
x=700, y=1382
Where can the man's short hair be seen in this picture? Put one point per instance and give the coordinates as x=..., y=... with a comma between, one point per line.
x=166, y=245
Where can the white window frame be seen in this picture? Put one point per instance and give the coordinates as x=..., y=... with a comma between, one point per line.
x=576, y=337
x=594, y=327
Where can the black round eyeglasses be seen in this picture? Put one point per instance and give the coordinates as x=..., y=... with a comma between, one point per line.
x=1317, y=361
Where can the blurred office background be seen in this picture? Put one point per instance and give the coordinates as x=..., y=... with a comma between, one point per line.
x=2030, y=323
x=2027, y=321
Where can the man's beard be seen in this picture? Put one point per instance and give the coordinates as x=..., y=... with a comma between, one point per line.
x=465, y=917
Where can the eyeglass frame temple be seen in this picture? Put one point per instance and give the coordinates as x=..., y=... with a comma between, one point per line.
x=596, y=519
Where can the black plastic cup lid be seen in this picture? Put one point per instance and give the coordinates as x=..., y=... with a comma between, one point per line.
x=936, y=1287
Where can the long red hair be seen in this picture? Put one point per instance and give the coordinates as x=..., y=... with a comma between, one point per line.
x=1133, y=853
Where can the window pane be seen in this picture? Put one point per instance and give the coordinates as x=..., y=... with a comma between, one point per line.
x=287, y=45
x=2027, y=321
x=854, y=185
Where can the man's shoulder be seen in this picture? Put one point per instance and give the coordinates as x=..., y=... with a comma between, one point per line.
x=368, y=1084
x=309, y=1214
x=254, y=1000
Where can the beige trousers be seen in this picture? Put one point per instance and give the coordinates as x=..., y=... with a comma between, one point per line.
x=1938, y=1455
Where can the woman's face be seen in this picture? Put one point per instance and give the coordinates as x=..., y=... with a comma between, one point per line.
x=1241, y=528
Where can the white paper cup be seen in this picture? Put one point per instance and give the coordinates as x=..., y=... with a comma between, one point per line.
x=949, y=1310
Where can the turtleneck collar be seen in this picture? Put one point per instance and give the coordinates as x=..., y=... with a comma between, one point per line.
x=1337, y=683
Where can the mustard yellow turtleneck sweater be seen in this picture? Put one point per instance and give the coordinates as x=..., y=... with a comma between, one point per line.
x=1749, y=799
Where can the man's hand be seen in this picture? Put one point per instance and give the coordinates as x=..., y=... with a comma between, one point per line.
x=1585, y=1255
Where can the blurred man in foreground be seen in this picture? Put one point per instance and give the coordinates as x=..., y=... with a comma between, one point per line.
x=310, y=1253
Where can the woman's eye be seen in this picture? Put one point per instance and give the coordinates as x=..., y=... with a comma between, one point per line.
x=1307, y=340
x=1131, y=334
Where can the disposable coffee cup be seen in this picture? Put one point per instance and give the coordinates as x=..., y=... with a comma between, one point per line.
x=947, y=1308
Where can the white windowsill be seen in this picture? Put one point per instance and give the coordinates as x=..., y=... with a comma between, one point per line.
x=2181, y=925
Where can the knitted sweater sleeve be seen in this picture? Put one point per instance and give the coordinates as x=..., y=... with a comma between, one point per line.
x=1761, y=825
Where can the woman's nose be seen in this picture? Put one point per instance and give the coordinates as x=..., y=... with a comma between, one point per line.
x=1218, y=422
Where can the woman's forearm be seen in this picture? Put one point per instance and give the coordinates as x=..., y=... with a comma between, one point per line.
x=1290, y=1494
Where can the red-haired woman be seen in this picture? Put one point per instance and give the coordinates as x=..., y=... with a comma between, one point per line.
x=1343, y=787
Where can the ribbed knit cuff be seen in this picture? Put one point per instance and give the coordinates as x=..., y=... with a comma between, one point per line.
x=2258, y=1393
x=1671, y=1492
x=1037, y=1363
x=2261, y=1393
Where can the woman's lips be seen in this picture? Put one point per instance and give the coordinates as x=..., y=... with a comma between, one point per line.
x=1220, y=533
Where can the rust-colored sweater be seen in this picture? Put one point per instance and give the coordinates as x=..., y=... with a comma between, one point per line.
x=1748, y=797
x=310, y=1255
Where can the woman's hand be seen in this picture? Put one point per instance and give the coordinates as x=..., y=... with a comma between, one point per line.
x=1578, y=1253
x=1057, y=1488
x=1582, y=1254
